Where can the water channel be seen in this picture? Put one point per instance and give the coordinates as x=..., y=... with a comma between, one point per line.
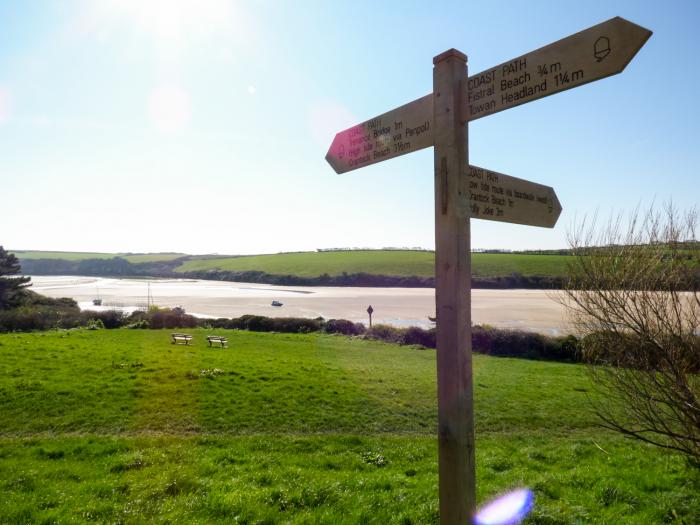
x=535, y=310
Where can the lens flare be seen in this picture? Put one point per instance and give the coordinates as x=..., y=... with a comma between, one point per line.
x=510, y=509
x=326, y=118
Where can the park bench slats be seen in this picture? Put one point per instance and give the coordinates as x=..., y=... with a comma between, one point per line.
x=180, y=339
x=186, y=339
x=216, y=339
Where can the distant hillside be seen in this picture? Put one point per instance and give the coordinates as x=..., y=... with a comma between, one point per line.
x=80, y=256
x=378, y=262
x=409, y=268
x=313, y=264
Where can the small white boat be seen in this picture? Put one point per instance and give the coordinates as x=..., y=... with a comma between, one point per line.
x=97, y=301
x=276, y=303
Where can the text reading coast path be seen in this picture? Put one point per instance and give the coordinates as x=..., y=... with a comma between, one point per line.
x=495, y=196
x=597, y=52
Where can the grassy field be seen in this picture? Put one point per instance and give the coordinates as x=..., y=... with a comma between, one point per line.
x=120, y=426
x=382, y=262
x=78, y=256
x=402, y=263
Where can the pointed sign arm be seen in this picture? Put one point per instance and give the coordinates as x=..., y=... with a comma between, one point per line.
x=498, y=197
x=594, y=53
x=397, y=132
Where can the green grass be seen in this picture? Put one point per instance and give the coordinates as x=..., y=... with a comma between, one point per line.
x=79, y=256
x=382, y=262
x=501, y=264
x=403, y=263
x=312, y=264
x=152, y=257
x=121, y=426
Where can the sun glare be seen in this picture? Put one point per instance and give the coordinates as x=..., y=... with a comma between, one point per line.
x=326, y=118
x=169, y=108
x=168, y=19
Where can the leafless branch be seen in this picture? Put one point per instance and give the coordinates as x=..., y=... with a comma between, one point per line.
x=634, y=297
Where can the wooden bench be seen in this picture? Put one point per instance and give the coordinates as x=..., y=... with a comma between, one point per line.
x=217, y=339
x=180, y=339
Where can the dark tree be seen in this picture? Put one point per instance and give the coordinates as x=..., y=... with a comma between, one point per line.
x=10, y=287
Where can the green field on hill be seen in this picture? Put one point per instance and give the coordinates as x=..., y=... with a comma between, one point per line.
x=79, y=256
x=121, y=426
x=400, y=263
x=379, y=262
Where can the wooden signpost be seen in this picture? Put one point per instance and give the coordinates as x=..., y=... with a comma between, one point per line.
x=463, y=192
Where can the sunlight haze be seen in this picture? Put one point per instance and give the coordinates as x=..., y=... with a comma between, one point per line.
x=202, y=126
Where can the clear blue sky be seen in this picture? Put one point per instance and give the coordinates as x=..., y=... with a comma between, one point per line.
x=202, y=125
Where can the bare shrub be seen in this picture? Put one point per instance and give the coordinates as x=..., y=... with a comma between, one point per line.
x=632, y=295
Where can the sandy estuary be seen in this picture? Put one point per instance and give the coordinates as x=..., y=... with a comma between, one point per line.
x=534, y=310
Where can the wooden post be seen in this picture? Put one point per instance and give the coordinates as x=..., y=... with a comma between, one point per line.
x=453, y=293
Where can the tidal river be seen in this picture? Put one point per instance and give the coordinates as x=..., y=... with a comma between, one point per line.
x=534, y=310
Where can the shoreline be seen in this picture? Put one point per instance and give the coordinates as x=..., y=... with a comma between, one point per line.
x=522, y=309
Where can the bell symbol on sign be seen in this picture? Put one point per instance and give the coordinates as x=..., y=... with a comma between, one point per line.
x=601, y=48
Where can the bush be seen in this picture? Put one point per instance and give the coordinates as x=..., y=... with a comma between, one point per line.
x=222, y=323
x=481, y=339
x=343, y=326
x=28, y=318
x=518, y=343
x=418, y=336
x=256, y=323
x=34, y=299
x=109, y=318
x=385, y=332
x=40, y=314
x=141, y=324
x=94, y=324
x=508, y=342
x=565, y=349
x=296, y=325
x=170, y=319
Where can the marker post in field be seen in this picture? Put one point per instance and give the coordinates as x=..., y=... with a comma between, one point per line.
x=464, y=192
